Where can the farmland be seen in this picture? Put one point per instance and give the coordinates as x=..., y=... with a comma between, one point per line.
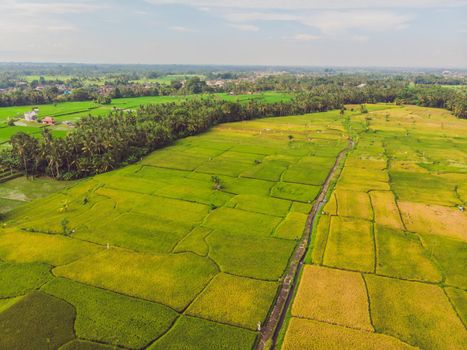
x=386, y=268
x=73, y=111
x=185, y=249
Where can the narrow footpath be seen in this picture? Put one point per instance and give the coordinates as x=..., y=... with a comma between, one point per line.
x=276, y=318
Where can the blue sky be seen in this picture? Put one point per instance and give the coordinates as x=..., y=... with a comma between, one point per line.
x=421, y=33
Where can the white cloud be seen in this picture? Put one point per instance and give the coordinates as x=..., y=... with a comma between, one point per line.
x=313, y=4
x=330, y=22
x=303, y=37
x=245, y=27
x=47, y=7
x=259, y=16
x=181, y=29
x=337, y=21
x=360, y=38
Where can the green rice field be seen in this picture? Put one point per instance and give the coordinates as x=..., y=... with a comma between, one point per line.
x=386, y=269
x=73, y=111
x=187, y=248
x=183, y=250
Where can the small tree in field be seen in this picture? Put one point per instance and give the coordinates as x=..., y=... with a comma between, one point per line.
x=217, y=182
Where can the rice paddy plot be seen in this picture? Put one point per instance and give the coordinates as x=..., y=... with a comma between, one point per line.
x=295, y=192
x=354, y=204
x=292, y=227
x=458, y=298
x=313, y=335
x=112, y=318
x=139, y=232
x=18, y=279
x=260, y=204
x=327, y=295
x=394, y=247
x=419, y=187
x=191, y=333
x=416, y=313
x=319, y=240
x=242, y=222
x=85, y=345
x=434, y=219
x=350, y=245
x=234, y=300
x=451, y=255
x=173, y=280
x=385, y=209
x=29, y=247
x=37, y=321
x=194, y=242
x=250, y=256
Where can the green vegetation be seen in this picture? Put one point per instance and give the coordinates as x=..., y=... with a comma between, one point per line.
x=17, y=279
x=37, y=321
x=194, y=333
x=396, y=218
x=228, y=298
x=173, y=280
x=137, y=250
x=112, y=318
x=186, y=248
x=415, y=312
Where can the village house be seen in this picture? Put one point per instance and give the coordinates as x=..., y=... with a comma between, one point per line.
x=31, y=116
x=48, y=121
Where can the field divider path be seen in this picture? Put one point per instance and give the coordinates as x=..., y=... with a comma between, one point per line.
x=271, y=328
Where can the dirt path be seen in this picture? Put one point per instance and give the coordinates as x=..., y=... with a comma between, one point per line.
x=274, y=322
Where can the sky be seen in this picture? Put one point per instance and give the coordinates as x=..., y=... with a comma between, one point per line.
x=377, y=33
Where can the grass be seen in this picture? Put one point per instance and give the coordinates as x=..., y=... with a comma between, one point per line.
x=350, y=245
x=37, y=321
x=252, y=299
x=112, y=318
x=418, y=313
x=173, y=280
x=18, y=279
x=327, y=295
x=190, y=333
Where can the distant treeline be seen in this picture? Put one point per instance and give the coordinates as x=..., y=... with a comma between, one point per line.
x=99, y=144
x=75, y=90
x=353, y=88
